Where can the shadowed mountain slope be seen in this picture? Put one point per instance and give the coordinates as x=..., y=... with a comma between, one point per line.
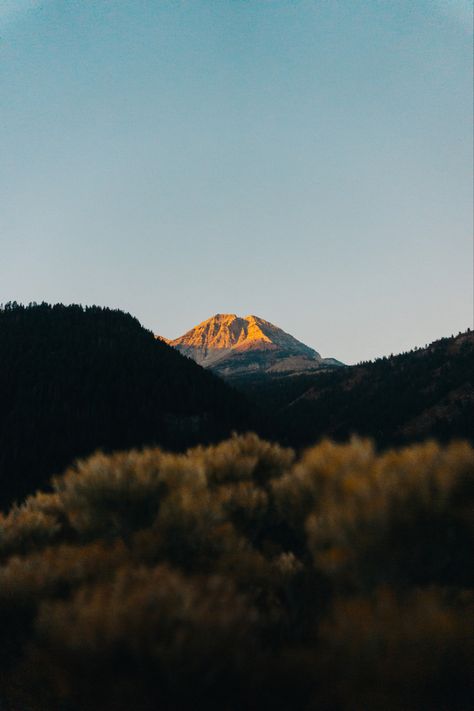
x=427, y=392
x=73, y=380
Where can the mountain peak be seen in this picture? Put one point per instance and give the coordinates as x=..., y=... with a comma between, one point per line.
x=227, y=342
x=215, y=337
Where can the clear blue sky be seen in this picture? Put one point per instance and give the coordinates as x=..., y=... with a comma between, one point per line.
x=308, y=161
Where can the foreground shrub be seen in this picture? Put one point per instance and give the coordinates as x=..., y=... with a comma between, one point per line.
x=241, y=576
x=400, y=652
x=401, y=517
x=146, y=625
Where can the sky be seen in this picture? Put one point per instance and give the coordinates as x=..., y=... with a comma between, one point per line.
x=307, y=161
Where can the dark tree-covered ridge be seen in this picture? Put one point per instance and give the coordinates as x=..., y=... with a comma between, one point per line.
x=427, y=392
x=75, y=379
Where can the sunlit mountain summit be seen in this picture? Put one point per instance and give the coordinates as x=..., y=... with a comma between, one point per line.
x=235, y=346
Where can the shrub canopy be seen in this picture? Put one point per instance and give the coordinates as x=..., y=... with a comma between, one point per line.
x=243, y=576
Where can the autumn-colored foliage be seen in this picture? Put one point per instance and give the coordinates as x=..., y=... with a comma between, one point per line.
x=243, y=576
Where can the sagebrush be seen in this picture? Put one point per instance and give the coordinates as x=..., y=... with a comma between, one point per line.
x=243, y=576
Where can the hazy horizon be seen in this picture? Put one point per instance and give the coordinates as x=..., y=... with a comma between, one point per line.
x=306, y=162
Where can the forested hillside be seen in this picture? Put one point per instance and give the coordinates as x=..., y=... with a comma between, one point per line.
x=75, y=379
x=428, y=392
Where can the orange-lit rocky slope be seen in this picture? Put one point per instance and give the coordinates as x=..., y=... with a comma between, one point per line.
x=235, y=346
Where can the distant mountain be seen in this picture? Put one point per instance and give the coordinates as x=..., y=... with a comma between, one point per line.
x=73, y=380
x=428, y=392
x=236, y=347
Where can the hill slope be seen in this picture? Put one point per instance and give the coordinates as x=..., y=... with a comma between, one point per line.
x=73, y=380
x=427, y=392
x=235, y=347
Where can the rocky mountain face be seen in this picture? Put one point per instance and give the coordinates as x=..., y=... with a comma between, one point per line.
x=235, y=347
